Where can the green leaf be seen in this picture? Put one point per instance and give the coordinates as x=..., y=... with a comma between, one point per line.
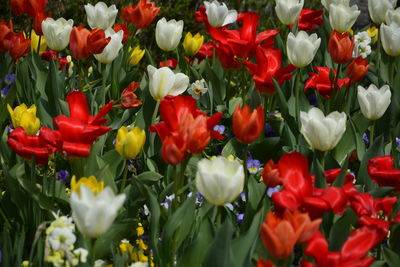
x=149, y=176
x=391, y=257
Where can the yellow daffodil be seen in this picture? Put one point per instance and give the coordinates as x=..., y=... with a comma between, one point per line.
x=192, y=44
x=91, y=183
x=35, y=43
x=130, y=142
x=373, y=32
x=136, y=55
x=25, y=117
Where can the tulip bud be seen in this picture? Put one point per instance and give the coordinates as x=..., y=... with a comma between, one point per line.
x=218, y=14
x=322, y=133
x=57, y=32
x=373, y=101
x=25, y=117
x=168, y=33
x=219, y=180
x=377, y=9
x=35, y=43
x=288, y=11
x=111, y=51
x=340, y=47
x=390, y=38
x=164, y=82
x=342, y=16
x=101, y=16
x=130, y=142
x=192, y=44
x=136, y=55
x=357, y=69
x=271, y=176
x=128, y=97
x=140, y=15
x=95, y=186
x=247, y=126
x=94, y=214
x=302, y=48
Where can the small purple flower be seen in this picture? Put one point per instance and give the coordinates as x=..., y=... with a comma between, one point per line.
x=114, y=142
x=10, y=129
x=240, y=217
x=63, y=176
x=365, y=138
x=229, y=206
x=243, y=196
x=219, y=128
x=9, y=79
x=168, y=201
x=253, y=165
x=268, y=132
x=4, y=92
x=199, y=199
x=272, y=190
x=398, y=142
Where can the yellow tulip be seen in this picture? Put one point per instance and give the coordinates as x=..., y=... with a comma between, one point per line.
x=130, y=142
x=373, y=33
x=35, y=43
x=136, y=55
x=25, y=117
x=91, y=183
x=192, y=44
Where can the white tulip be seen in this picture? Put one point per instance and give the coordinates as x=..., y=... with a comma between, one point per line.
x=301, y=49
x=219, y=180
x=111, y=51
x=168, y=33
x=390, y=38
x=164, y=81
x=373, y=101
x=393, y=15
x=218, y=14
x=327, y=3
x=377, y=9
x=288, y=11
x=322, y=133
x=101, y=16
x=57, y=32
x=342, y=17
x=94, y=214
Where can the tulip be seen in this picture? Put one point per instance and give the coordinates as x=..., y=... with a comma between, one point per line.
x=35, y=43
x=322, y=82
x=136, y=55
x=288, y=11
x=37, y=22
x=342, y=16
x=6, y=32
x=94, y=214
x=302, y=48
x=130, y=142
x=206, y=50
x=381, y=170
x=33, y=7
x=111, y=51
x=170, y=63
x=192, y=44
x=164, y=82
x=219, y=180
x=19, y=45
x=373, y=33
x=101, y=16
x=218, y=14
x=85, y=43
x=390, y=37
x=173, y=150
x=327, y=3
x=122, y=27
x=322, y=133
x=340, y=47
x=25, y=117
x=310, y=20
x=57, y=32
x=95, y=186
x=270, y=174
x=140, y=15
x=168, y=33
x=357, y=69
x=17, y=7
x=247, y=126
x=377, y=10
x=128, y=96
x=393, y=15
x=373, y=101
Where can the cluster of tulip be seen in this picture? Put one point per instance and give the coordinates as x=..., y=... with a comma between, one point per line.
x=176, y=148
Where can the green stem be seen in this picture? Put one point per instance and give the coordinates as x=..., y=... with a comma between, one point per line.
x=297, y=94
x=246, y=174
x=179, y=183
x=371, y=133
x=321, y=158
x=124, y=177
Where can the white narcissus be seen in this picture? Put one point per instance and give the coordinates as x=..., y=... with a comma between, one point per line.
x=218, y=14
x=342, y=17
x=322, y=133
x=301, y=49
x=373, y=101
x=61, y=238
x=111, y=51
x=288, y=11
x=57, y=32
x=219, y=180
x=168, y=33
x=164, y=81
x=377, y=9
x=101, y=16
x=390, y=38
x=94, y=214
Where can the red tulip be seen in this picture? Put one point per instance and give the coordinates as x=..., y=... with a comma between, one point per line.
x=97, y=41
x=381, y=170
x=310, y=20
x=122, y=27
x=206, y=50
x=269, y=65
x=17, y=7
x=170, y=63
x=6, y=32
x=129, y=98
x=140, y=15
x=41, y=146
x=263, y=263
x=37, y=22
x=34, y=7
x=19, y=45
x=357, y=69
x=81, y=129
x=331, y=176
x=83, y=43
x=174, y=150
x=247, y=126
x=340, y=47
x=322, y=83
x=270, y=175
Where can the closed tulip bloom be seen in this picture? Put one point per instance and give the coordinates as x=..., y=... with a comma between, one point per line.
x=219, y=180
x=136, y=55
x=6, y=32
x=168, y=33
x=25, y=117
x=192, y=44
x=38, y=20
x=322, y=133
x=164, y=82
x=130, y=142
x=94, y=214
x=342, y=17
x=218, y=14
x=340, y=47
x=393, y=15
x=122, y=27
x=310, y=20
x=140, y=15
x=247, y=126
x=35, y=43
x=390, y=38
x=288, y=11
x=101, y=16
x=57, y=32
x=377, y=9
x=90, y=182
x=302, y=48
x=17, y=7
x=111, y=51
x=327, y=3
x=33, y=7
x=373, y=101
x=19, y=45
x=357, y=69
